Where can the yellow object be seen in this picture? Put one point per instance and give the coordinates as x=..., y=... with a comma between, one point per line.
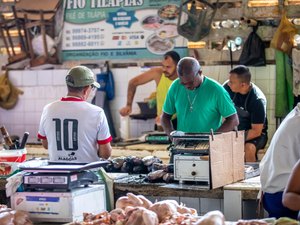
x=283, y=38
x=9, y=94
x=152, y=96
x=286, y=221
x=161, y=92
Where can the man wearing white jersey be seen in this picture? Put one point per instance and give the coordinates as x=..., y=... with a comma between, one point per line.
x=71, y=128
x=277, y=164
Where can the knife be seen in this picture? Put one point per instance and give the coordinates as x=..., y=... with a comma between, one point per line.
x=24, y=140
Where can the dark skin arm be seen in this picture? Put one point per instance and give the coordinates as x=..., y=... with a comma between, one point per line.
x=229, y=123
x=166, y=123
x=291, y=195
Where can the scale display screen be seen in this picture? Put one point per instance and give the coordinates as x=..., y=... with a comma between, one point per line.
x=59, y=180
x=47, y=180
x=34, y=180
x=53, y=181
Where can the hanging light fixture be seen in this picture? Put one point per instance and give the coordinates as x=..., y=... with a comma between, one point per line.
x=195, y=18
x=262, y=3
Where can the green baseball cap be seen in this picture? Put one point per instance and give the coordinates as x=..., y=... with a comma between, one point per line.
x=81, y=76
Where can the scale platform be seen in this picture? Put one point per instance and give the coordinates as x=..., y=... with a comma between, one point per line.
x=56, y=176
x=57, y=167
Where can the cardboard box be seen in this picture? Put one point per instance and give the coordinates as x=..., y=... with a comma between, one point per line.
x=9, y=161
x=226, y=156
x=61, y=206
x=223, y=165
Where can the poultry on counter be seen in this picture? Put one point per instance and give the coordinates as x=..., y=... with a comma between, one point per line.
x=138, y=210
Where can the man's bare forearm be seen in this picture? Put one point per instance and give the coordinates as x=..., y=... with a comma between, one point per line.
x=229, y=124
x=130, y=93
x=166, y=123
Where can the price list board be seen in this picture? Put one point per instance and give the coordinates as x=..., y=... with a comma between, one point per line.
x=121, y=29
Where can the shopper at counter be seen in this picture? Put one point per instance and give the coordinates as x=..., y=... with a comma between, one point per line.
x=199, y=102
x=277, y=164
x=291, y=195
x=251, y=106
x=71, y=128
x=163, y=77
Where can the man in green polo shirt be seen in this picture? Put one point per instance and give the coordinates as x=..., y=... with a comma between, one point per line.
x=201, y=103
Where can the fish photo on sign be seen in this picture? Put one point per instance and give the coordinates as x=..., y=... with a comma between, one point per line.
x=169, y=12
x=168, y=30
x=159, y=46
x=152, y=22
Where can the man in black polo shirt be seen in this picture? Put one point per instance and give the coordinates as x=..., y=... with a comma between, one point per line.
x=250, y=103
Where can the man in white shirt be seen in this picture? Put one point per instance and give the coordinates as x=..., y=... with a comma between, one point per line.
x=71, y=128
x=278, y=162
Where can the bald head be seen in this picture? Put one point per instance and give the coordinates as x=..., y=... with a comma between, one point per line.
x=189, y=72
x=188, y=66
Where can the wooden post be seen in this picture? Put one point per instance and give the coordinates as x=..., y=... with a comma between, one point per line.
x=28, y=37
x=3, y=35
x=43, y=32
x=17, y=21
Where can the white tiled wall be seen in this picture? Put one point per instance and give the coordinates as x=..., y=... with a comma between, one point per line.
x=204, y=205
x=43, y=86
x=131, y=128
x=40, y=88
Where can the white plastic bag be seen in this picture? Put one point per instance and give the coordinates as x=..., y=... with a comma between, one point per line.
x=38, y=46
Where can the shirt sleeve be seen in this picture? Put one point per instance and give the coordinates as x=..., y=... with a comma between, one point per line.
x=258, y=115
x=225, y=104
x=41, y=132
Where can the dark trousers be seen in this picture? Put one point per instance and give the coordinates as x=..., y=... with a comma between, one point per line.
x=273, y=205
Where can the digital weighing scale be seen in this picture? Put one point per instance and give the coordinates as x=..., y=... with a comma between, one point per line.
x=53, y=176
x=56, y=192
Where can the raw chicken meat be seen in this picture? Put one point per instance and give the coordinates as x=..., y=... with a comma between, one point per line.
x=21, y=218
x=164, y=209
x=141, y=216
x=117, y=214
x=146, y=203
x=6, y=218
x=212, y=218
x=183, y=210
x=13, y=217
x=129, y=200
